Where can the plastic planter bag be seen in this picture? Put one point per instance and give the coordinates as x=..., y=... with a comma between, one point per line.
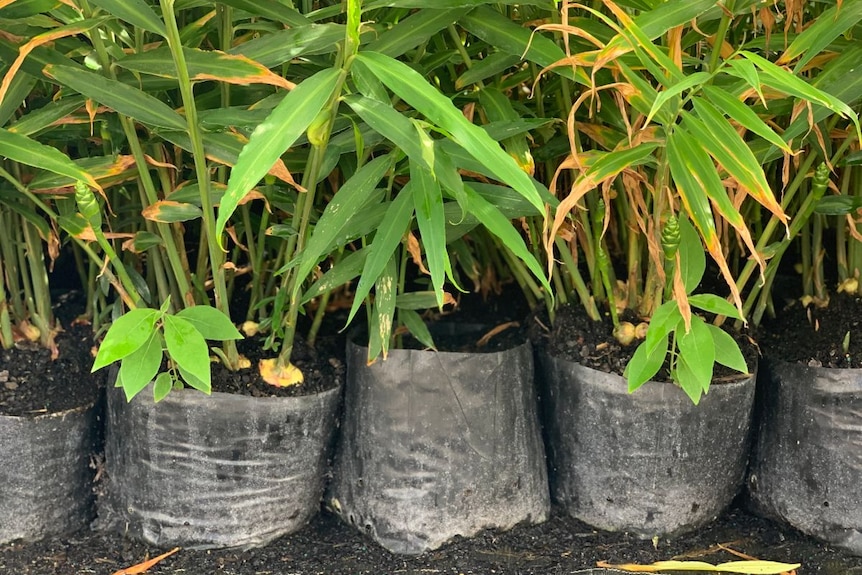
x=46, y=483
x=807, y=465
x=435, y=445
x=649, y=463
x=219, y=471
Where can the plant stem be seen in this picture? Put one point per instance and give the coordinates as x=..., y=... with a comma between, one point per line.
x=216, y=254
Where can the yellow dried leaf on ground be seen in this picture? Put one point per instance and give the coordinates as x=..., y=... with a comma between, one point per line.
x=279, y=376
x=742, y=567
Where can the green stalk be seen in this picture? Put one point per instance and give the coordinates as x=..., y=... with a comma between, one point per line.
x=721, y=34
x=201, y=171
x=165, y=231
x=842, y=246
x=40, y=312
x=572, y=271
x=6, y=340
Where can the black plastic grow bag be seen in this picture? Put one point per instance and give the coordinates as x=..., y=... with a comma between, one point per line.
x=214, y=471
x=649, y=463
x=46, y=478
x=807, y=464
x=435, y=445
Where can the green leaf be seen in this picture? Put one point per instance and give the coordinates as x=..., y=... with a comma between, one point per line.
x=838, y=205
x=44, y=117
x=743, y=114
x=663, y=321
x=162, y=386
x=692, y=260
x=687, y=379
x=431, y=218
x=416, y=91
x=416, y=326
x=24, y=150
x=395, y=223
x=210, y=322
x=491, y=65
x=826, y=27
x=384, y=311
x=276, y=11
x=507, y=36
x=193, y=381
x=128, y=333
x=414, y=30
x=277, y=48
x=344, y=271
x=187, y=347
x=697, y=349
x=139, y=368
x=678, y=88
x=339, y=211
x=271, y=138
x=120, y=97
x=416, y=300
x=713, y=304
x=170, y=211
x=782, y=80
x=727, y=351
x=135, y=12
x=645, y=364
x=499, y=225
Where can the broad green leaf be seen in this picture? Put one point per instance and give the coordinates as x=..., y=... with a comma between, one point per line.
x=385, y=289
x=187, y=347
x=837, y=205
x=415, y=90
x=727, y=351
x=126, y=334
x=44, y=117
x=162, y=386
x=744, y=115
x=339, y=211
x=496, y=30
x=499, y=225
x=342, y=272
x=713, y=304
x=692, y=260
x=135, y=12
x=204, y=65
x=271, y=138
x=395, y=127
x=428, y=203
x=140, y=367
x=663, y=321
x=276, y=11
x=395, y=223
x=210, y=322
x=24, y=150
x=697, y=349
x=697, y=182
x=190, y=379
x=415, y=30
x=645, y=364
x=689, y=82
x=719, y=138
x=416, y=300
x=120, y=97
x=688, y=380
x=276, y=48
x=826, y=27
x=782, y=80
x=416, y=326
x=491, y=65
x=170, y=211
x=17, y=91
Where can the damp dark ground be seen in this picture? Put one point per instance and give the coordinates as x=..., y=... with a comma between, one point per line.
x=328, y=547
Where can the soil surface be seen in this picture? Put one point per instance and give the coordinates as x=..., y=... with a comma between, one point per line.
x=32, y=383
x=817, y=336
x=329, y=547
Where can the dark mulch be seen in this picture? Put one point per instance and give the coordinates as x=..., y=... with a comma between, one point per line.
x=328, y=547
